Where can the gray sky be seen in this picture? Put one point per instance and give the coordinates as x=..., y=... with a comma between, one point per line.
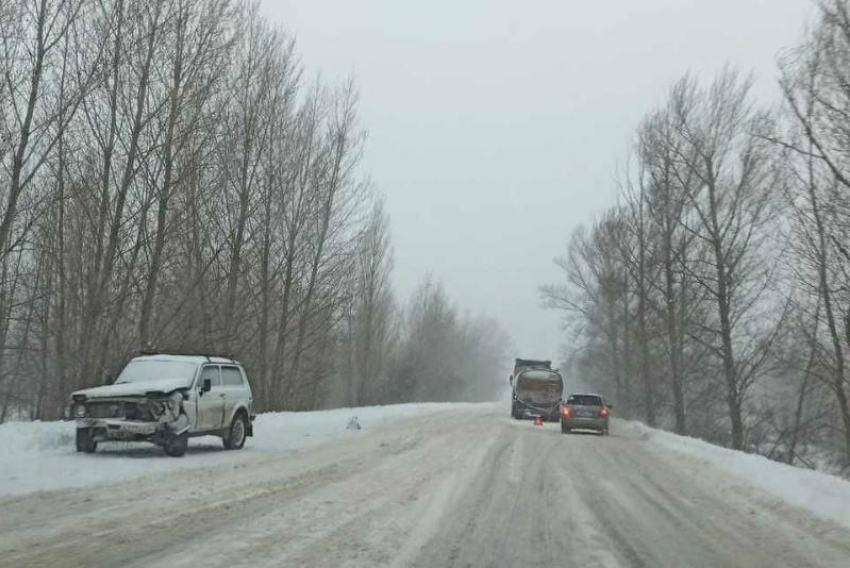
x=495, y=127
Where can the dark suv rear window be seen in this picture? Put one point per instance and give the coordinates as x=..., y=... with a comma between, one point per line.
x=584, y=400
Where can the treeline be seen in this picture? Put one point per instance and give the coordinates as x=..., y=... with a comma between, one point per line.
x=172, y=181
x=427, y=352
x=714, y=298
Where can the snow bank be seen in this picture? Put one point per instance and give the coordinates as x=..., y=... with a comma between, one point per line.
x=32, y=438
x=36, y=456
x=822, y=494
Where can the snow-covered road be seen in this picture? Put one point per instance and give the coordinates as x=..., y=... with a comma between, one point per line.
x=465, y=486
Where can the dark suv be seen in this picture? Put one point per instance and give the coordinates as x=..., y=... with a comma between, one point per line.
x=584, y=412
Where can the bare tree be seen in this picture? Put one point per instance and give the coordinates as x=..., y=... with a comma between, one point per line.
x=199, y=42
x=813, y=87
x=33, y=36
x=735, y=181
x=599, y=290
x=373, y=305
x=659, y=148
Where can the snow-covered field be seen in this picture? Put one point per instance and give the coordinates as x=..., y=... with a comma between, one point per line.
x=37, y=456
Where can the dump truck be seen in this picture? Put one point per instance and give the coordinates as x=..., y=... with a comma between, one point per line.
x=537, y=390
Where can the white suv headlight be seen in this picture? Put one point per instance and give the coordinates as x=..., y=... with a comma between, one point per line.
x=80, y=411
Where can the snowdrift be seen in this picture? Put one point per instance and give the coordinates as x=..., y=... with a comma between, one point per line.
x=823, y=494
x=38, y=456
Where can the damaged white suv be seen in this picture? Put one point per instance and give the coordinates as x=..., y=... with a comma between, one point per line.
x=165, y=400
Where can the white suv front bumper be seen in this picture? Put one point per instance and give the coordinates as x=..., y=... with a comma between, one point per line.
x=116, y=428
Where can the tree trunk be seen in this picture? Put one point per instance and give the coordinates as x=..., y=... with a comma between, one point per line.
x=174, y=109
x=16, y=174
x=673, y=336
x=838, y=378
x=728, y=354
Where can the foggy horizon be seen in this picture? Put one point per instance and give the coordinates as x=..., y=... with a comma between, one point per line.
x=495, y=131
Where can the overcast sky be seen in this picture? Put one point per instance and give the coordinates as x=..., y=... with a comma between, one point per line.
x=495, y=127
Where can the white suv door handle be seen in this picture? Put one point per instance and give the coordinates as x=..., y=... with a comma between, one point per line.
x=221, y=395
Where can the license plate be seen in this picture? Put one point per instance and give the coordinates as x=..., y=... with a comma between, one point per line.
x=134, y=428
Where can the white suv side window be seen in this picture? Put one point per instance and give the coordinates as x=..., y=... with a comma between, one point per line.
x=231, y=376
x=211, y=372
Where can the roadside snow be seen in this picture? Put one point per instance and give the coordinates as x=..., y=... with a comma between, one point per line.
x=823, y=494
x=38, y=456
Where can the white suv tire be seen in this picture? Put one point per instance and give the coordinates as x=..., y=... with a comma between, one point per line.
x=234, y=438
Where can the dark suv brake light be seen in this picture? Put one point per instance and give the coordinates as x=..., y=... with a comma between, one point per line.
x=604, y=412
x=566, y=411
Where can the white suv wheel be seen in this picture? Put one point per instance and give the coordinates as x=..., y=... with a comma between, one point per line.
x=235, y=437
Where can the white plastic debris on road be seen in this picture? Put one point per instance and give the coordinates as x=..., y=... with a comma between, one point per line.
x=37, y=456
x=823, y=494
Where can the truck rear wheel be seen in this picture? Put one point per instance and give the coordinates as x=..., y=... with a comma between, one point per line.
x=85, y=441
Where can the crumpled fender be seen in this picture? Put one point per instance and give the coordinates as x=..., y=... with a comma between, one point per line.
x=180, y=425
x=170, y=413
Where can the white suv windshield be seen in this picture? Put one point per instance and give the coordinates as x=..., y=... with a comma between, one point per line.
x=139, y=371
